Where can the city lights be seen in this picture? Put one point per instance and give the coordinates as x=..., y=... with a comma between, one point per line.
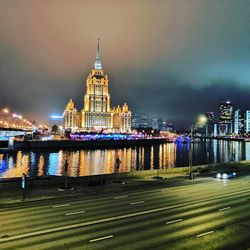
x=13, y=120
x=6, y=111
x=139, y=139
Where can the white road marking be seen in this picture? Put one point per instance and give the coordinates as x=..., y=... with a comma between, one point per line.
x=173, y=221
x=79, y=212
x=225, y=208
x=119, y=217
x=120, y=197
x=62, y=205
x=102, y=238
x=200, y=235
x=137, y=202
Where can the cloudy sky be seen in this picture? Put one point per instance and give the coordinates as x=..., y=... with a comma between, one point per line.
x=172, y=58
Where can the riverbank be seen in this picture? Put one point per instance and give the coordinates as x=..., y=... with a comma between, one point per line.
x=87, y=144
x=224, y=138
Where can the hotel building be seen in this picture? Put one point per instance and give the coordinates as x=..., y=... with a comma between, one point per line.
x=97, y=114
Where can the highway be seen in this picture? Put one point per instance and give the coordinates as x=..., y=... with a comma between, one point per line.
x=203, y=214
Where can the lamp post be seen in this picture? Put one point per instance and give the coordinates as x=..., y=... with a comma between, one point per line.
x=66, y=165
x=201, y=121
x=190, y=158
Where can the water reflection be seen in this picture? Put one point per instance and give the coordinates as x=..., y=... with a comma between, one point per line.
x=94, y=162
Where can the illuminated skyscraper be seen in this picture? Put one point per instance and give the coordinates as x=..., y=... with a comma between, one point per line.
x=239, y=122
x=247, y=121
x=226, y=118
x=97, y=114
x=210, y=123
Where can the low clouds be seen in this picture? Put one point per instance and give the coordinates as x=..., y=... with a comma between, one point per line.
x=172, y=58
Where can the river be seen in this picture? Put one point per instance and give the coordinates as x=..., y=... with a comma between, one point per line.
x=92, y=162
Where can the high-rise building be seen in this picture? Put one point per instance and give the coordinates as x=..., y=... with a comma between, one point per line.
x=143, y=121
x=156, y=123
x=97, y=114
x=247, y=121
x=135, y=121
x=226, y=118
x=239, y=122
x=210, y=123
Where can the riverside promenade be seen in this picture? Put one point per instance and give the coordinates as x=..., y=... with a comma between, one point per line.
x=89, y=144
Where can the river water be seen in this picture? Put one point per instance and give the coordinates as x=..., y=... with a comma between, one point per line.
x=93, y=162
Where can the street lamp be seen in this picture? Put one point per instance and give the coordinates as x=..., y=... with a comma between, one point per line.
x=6, y=111
x=201, y=122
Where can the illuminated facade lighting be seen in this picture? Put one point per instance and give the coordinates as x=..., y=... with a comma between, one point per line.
x=97, y=114
x=226, y=118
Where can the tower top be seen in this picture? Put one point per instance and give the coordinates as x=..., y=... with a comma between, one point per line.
x=97, y=59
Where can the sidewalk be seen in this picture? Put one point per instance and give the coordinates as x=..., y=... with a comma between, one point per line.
x=14, y=196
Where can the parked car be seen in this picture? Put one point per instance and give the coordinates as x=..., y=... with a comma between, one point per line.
x=226, y=175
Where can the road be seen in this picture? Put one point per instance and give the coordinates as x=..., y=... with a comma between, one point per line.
x=201, y=214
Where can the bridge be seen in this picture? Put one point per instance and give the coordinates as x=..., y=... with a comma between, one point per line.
x=11, y=126
x=7, y=137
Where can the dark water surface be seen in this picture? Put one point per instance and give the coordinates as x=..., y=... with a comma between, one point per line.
x=93, y=162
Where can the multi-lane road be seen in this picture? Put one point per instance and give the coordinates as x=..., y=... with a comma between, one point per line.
x=206, y=214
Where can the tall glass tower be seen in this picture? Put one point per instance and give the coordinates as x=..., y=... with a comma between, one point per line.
x=226, y=118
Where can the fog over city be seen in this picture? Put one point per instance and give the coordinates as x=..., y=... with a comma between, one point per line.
x=175, y=59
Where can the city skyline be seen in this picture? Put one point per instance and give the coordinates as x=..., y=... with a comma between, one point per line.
x=172, y=60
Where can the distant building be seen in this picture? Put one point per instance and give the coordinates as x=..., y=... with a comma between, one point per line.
x=226, y=118
x=156, y=123
x=170, y=127
x=135, y=121
x=164, y=126
x=239, y=122
x=55, y=120
x=247, y=121
x=210, y=123
x=144, y=121
x=70, y=117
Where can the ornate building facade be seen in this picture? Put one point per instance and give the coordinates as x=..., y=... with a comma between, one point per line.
x=97, y=114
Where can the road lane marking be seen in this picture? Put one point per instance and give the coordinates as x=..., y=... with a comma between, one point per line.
x=62, y=205
x=173, y=221
x=224, y=208
x=102, y=238
x=78, y=212
x=200, y=235
x=109, y=219
x=137, y=202
x=120, y=197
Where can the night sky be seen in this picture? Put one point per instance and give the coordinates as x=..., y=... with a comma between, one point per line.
x=175, y=59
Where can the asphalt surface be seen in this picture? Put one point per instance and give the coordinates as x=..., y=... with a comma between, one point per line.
x=202, y=214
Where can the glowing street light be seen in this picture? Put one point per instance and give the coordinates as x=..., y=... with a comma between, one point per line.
x=17, y=116
x=6, y=111
x=201, y=122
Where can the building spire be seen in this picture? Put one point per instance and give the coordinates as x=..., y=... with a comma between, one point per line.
x=97, y=59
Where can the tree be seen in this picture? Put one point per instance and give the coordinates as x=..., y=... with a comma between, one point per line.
x=54, y=129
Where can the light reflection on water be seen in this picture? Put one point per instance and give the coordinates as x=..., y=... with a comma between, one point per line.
x=94, y=162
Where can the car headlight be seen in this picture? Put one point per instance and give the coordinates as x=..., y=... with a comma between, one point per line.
x=224, y=176
x=234, y=174
x=218, y=175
